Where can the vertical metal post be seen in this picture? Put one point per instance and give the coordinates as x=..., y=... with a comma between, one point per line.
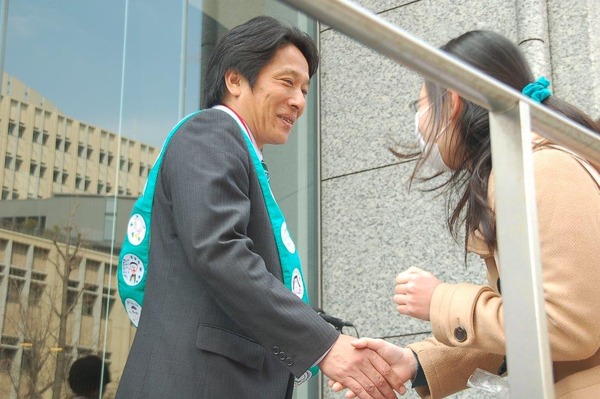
x=3, y=29
x=527, y=347
x=183, y=58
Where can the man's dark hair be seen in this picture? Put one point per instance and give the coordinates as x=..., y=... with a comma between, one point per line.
x=85, y=374
x=247, y=48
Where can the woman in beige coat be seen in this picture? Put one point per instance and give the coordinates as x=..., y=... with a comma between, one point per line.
x=467, y=319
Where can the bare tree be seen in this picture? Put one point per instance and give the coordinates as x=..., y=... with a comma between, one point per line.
x=35, y=326
x=67, y=260
x=41, y=317
x=33, y=319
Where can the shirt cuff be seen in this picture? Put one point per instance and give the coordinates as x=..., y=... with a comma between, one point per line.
x=324, y=354
x=419, y=380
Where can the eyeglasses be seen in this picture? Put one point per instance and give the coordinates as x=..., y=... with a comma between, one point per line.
x=414, y=105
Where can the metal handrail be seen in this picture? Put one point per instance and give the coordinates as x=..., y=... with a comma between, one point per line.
x=512, y=118
x=437, y=66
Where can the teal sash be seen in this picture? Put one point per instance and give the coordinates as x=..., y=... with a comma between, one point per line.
x=133, y=259
x=132, y=270
x=288, y=253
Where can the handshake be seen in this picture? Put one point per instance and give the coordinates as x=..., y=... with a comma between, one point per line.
x=373, y=368
x=368, y=368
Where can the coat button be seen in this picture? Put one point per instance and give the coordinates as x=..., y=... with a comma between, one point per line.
x=460, y=334
x=282, y=356
x=289, y=362
x=276, y=350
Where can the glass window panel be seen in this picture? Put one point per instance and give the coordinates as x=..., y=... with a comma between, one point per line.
x=71, y=105
x=62, y=92
x=15, y=287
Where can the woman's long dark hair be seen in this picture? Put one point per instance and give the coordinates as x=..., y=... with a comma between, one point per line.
x=467, y=187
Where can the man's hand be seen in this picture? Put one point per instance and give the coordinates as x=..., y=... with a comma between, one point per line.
x=414, y=290
x=361, y=370
x=402, y=361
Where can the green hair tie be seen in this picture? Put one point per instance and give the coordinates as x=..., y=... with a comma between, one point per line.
x=538, y=91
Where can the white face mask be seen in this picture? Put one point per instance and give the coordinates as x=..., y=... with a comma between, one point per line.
x=433, y=157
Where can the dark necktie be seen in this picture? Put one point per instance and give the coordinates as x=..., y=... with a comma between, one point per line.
x=264, y=165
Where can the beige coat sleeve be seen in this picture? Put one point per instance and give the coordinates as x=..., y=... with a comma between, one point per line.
x=471, y=316
x=447, y=368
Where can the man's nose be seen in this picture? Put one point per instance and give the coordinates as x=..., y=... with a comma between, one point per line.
x=298, y=100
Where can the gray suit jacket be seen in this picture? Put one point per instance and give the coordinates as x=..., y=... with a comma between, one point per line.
x=217, y=322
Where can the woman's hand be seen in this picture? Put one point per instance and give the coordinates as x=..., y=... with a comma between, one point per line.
x=414, y=290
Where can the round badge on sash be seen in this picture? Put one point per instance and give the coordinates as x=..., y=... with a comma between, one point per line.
x=303, y=378
x=136, y=229
x=287, y=239
x=132, y=269
x=133, y=311
x=297, y=284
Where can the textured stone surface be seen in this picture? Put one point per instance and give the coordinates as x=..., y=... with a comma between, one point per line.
x=375, y=7
x=381, y=6
x=532, y=28
x=575, y=52
x=372, y=230
x=365, y=96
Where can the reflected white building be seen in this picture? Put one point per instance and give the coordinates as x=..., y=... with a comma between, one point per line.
x=46, y=152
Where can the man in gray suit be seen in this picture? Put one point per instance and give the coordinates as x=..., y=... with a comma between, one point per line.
x=220, y=317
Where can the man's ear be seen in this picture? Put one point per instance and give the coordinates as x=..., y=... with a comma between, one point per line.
x=233, y=81
x=457, y=104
